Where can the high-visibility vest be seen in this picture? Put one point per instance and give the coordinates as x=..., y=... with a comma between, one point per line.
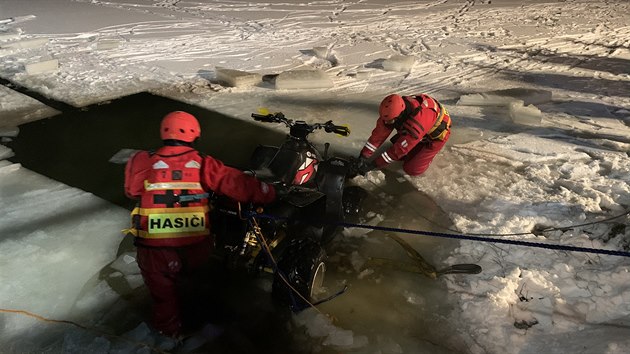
x=162, y=218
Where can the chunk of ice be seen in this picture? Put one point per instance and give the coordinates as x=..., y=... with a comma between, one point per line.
x=26, y=43
x=321, y=52
x=303, y=79
x=237, y=78
x=506, y=97
x=527, y=95
x=5, y=152
x=340, y=338
x=485, y=99
x=9, y=131
x=126, y=264
x=7, y=35
x=106, y=44
x=528, y=115
x=402, y=63
x=122, y=156
x=42, y=67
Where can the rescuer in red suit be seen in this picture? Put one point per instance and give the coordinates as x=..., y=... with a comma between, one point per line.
x=422, y=128
x=171, y=223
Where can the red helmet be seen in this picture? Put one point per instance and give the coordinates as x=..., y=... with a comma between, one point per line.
x=180, y=125
x=391, y=107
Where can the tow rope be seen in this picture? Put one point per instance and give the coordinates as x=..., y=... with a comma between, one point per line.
x=152, y=347
x=265, y=246
x=491, y=240
x=471, y=238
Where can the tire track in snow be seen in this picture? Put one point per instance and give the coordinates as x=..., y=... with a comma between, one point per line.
x=293, y=26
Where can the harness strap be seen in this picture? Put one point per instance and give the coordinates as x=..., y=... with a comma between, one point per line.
x=439, y=129
x=171, y=185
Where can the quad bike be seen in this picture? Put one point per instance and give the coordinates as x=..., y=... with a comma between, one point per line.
x=288, y=237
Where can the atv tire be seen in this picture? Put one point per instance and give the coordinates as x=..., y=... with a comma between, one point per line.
x=302, y=265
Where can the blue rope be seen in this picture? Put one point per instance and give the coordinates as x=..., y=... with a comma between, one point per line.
x=471, y=238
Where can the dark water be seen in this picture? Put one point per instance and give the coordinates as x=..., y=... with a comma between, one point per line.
x=75, y=147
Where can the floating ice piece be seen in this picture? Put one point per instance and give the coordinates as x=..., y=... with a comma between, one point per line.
x=506, y=97
x=402, y=63
x=528, y=115
x=41, y=67
x=527, y=95
x=321, y=52
x=16, y=19
x=237, y=78
x=326, y=53
x=8, y=35
x=134, y=280
x=26, y=43
x=107, y=44
x=5, y=152
x=484, y=99
x=303, y=79
x=126, y=264
x=11, y=132
x=340, y=338
x=122, y=156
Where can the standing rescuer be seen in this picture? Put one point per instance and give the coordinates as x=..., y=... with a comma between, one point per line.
x=422, y=126
x=171, y=223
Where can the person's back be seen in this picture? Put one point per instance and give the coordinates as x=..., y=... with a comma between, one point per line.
x=171, y=222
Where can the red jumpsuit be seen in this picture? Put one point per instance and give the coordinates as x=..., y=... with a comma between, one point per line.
x=173, y=237
x=421, y=132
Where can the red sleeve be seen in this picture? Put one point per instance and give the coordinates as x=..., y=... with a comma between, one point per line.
x=136, y=172
x=379, y=135
x=234, y=183
x=411, y=135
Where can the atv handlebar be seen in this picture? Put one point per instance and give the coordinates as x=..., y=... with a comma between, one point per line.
x=278, y=117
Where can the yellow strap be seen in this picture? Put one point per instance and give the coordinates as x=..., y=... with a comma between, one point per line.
x=171, y=185
x=133, y=231
x=440, y=117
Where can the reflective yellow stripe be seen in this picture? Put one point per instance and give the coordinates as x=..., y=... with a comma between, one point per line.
x=195, y=209
x=171, y=185
x=145, y=234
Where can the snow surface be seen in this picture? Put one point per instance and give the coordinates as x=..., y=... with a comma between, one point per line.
x=494, y=177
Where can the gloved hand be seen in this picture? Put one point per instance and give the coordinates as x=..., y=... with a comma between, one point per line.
x=360, y=166
x=365, y=166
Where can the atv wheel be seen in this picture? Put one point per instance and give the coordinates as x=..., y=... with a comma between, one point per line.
x=302, y=266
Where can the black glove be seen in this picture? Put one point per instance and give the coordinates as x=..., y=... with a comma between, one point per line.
x=365, y=166
x=360, y=166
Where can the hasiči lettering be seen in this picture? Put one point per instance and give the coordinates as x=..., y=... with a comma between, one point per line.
x=176, y=222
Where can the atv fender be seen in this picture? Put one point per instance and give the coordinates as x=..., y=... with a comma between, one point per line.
x=331, y=178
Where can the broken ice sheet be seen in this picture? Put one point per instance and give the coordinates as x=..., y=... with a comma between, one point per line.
x=303, y=79
x=122, y=156
x=42, y=67
x=402, y=63
x=237, y=78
